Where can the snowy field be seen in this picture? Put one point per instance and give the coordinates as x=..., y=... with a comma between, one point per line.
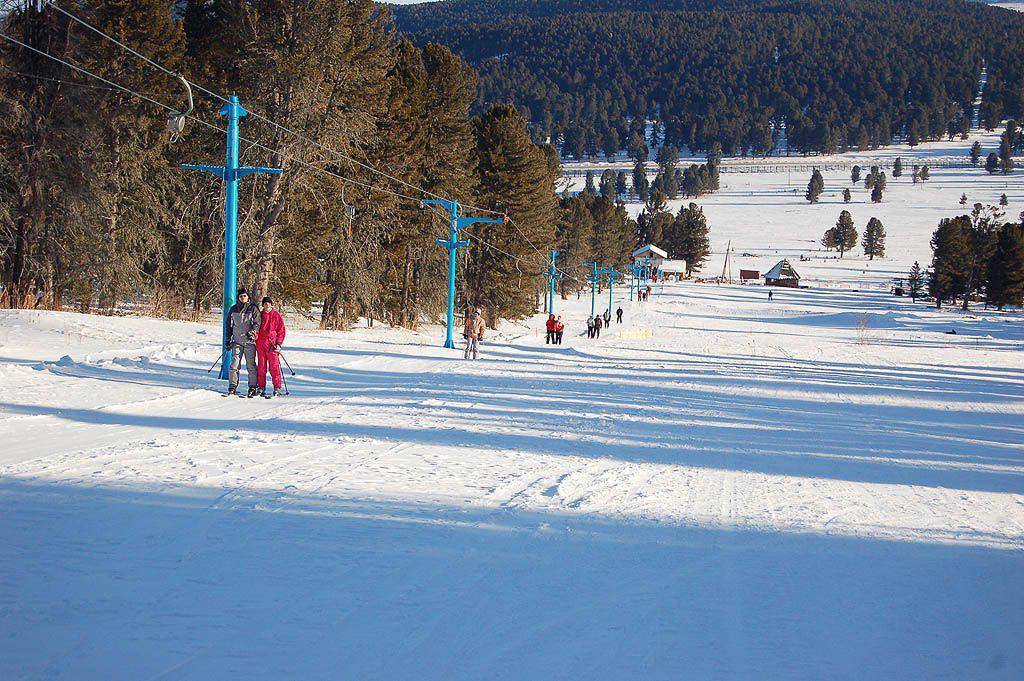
x=765, y=216
x=828, y=486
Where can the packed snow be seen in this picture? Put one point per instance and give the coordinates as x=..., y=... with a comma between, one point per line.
x=828, y=485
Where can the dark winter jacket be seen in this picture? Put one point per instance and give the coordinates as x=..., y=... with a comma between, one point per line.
x=243, y=324
x=272, y=330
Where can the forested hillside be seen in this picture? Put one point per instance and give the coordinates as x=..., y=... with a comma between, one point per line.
x=821, y=75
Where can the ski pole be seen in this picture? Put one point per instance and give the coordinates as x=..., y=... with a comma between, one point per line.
x=218, y=360
x=285, y=381
x=286, y=362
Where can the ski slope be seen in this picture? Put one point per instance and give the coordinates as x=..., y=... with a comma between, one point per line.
x=827, y=486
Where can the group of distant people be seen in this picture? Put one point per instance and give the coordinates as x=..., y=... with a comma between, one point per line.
x=643, y=293
x=602, y=321
x=256, y=335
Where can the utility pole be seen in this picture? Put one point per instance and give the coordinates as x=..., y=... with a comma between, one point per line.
x=593, y=278
x=553, y=275
x=453, y=244
x=611, y=285
x=230, y=173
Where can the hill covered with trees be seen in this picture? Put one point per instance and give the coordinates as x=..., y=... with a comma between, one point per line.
x=819, y=75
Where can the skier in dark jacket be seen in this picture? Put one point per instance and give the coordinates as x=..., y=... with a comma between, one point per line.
x=618, y=315
x=550, y=326
x=598, y=323
x=243, y=327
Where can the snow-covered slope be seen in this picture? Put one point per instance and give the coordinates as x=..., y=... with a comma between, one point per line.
x=825, y=486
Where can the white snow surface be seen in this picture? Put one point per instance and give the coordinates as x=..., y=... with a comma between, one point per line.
x=827, y=486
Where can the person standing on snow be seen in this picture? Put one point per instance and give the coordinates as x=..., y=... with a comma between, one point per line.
x=473, y=333
x=769, y=295
x=268, y=348
x=618, y=315
x=559, y=330
x=550, y=326
x=608, y=317
x=590, y=326
x=243, y=326
x=597, y=326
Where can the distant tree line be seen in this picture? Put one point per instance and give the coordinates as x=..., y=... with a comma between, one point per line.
x=821, y=75
x=96, y=212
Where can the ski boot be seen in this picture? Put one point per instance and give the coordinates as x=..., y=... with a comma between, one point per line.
x=231, y=391
x=252, y=392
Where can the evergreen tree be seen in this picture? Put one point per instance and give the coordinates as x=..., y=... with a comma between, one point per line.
x=1003, y=200
x=1005, y=284
x=640, y=183
x=621, y=183
x=897, y=167
x=690, y=238
x=575, y=235
x=637, y=148
x=874, y=239
x=846, y=233
x=1006, y=148
x=949, y=259
x=607, y=184
x=982, y=229
x=917, y=173
x=926, y=174
x=963, y=199
x=915, y=281
x=846, y=195
x=975, y=153
x=876, y=192
x=815, y=186
x=830, y=240
x=992, y=162
x=855, y=175
x=589, y=187
x=513, y=175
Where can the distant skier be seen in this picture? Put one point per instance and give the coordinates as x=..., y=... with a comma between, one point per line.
x=618, y=315
x=608, y=317
x=268, y=348
x=473, y=333
x=550, y=326
x=598, y=323
x=771, y=294
x=559, y=330
x=590, y=326
x=243, y=326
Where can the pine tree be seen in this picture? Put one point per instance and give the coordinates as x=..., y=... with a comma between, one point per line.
x=846, y=195
x=588, y=187
x=992, y=162
x=1003, y=200
x=621, y=183
x=874, y=239
x=876, y=192
x=975, y=153
x=855, y=175
x=949, y=259
x=963, y=199
x=1005, y=284
x=830, y=240
x=815, y=186
x=982, y=231
x=897, y=167
x=607, y=184
x=640, y=183
x=926, y=174
x=513, y=175
x=689, y=239
x=846, y=233
x=1006, y=148
x=575, y=234
x=915, y=281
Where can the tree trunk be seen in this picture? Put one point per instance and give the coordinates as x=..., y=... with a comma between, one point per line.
x=406, y=289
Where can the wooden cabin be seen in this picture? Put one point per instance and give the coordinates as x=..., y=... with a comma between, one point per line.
x=782, y=274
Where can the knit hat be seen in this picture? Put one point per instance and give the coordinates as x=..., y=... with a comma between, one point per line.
x=243, y=292
x=267, y=300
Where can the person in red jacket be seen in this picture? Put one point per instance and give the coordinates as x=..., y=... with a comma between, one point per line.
x=551, y=327
x=268, y=345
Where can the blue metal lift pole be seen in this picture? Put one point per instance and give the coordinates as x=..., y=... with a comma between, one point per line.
x=611, y=286
x=231, y=173
x=453, y=244
x=593, y=286
x=553, y=275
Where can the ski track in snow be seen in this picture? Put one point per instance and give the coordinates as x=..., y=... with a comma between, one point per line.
x=827, y=486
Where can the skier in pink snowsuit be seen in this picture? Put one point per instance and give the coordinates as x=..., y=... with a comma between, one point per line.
x=268, y=347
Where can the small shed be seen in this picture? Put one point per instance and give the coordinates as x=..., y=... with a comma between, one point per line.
x=673, y=268
x=749, y=275
x=782, y=274
x=651, y=255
